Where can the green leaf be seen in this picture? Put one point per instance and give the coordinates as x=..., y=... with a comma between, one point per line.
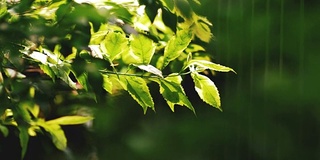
x=34, y=109
x=168, y=4
x=58, y=137
x=202, y=29
x=142, y=47
x=96, y=51
x=3, y=8
x=203, y=64
x=176, y=45
x=151, y=69
x=70, y=120
x=4, y=130
x=1, y=78
x=47, y=70
x=11, y=73
x=114, y=44
x=62, y=71
x=57, y=134
x=138, y=89
x=192, y=48
x=24, y=139
x=107, y=83
x=83, y=80
x=207, y=90
x=183, y=8
x=196, y=2
x=173, y=93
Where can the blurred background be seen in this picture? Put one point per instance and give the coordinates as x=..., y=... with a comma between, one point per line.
x=270, y=107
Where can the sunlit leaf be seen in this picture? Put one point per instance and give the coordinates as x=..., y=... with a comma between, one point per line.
x=173, y=93
x=142, y=47
x=203, y=64
x=151, y=69
x=62, y=71
x=3, y=8
x=169, y=4
x=34, y=109
x=114, y=44
x=57, y=134
x=207, y=90
x=95, y=51
x=202, y=29
x=97, y=37
x=70, y=120
x=176, y=45
x=138, y=89
x=58, y=137
x=47, y=70
x=13, y=73
x=197, y=2
x=194, y=48
x=107, y=83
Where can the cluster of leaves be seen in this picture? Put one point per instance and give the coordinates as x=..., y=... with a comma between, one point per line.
x=89, y=48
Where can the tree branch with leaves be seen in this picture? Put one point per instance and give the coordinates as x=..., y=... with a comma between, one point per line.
x=89, y=48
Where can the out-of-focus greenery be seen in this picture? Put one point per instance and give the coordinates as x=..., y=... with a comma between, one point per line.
x=271, y=107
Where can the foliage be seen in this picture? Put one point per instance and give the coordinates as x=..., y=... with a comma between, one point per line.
x=53, y=50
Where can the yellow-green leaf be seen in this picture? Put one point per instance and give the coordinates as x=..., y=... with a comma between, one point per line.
x=169, y=4
x=57, y=134
x=151, y=69
x=3, y=8
x=107, y=83
x=114, y=44
x=207, y=90
x=202, y=28
x=203, y=64
x=70, y=120
x=142, y=47
x=173, y=93
x=47, y=70
x=176, y=45
x=139, y=91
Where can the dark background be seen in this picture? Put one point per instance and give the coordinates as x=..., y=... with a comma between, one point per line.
x=270, y=107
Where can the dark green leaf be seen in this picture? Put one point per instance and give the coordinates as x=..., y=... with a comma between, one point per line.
x=4, y=130
x=24, y=139
x=183, y=8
